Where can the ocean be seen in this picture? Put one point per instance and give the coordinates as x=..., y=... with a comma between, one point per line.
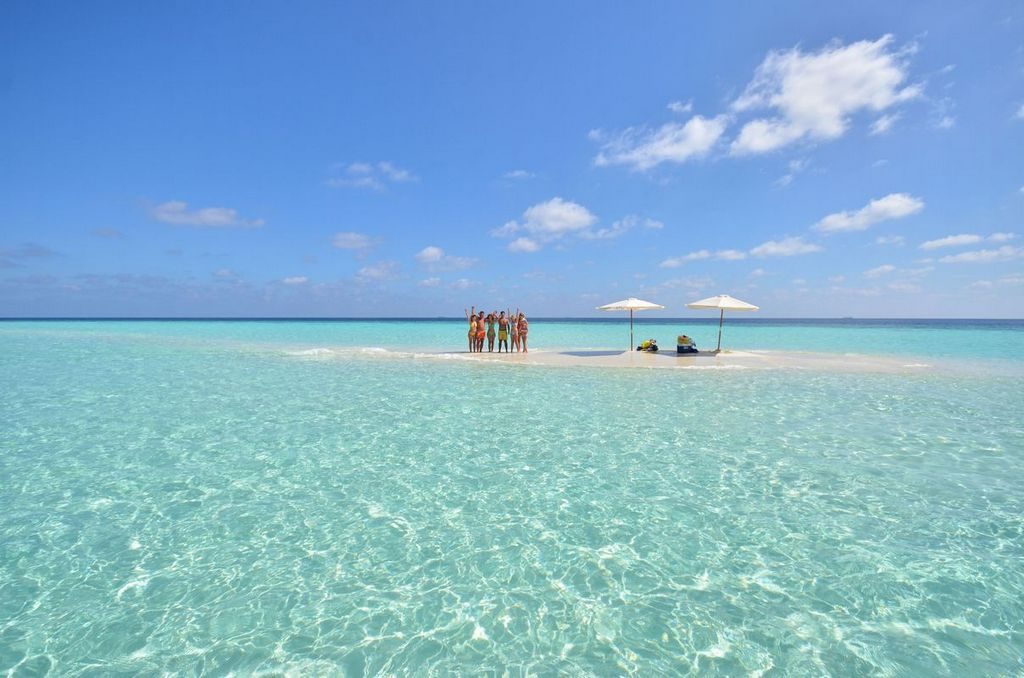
x=361, y=497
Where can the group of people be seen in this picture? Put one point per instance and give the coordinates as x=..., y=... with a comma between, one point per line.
x=497, y=324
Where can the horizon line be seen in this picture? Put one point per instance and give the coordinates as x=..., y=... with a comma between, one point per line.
x=604, y=318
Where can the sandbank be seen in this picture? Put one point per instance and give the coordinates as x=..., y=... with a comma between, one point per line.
x=670, y=360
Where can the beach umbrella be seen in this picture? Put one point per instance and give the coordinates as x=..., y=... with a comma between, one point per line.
x=632, y=304
x=722, y=303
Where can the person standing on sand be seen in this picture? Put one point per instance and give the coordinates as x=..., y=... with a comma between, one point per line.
x=492, y=318
x=502, y=331
x=524, y=329
x=481, y=332
x=514, y=324
x=471, y=317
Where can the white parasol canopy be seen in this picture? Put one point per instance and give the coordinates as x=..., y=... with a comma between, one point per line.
x=723, y=303
x=632, y=304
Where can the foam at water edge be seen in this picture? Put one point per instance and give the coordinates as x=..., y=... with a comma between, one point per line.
x=311, y=352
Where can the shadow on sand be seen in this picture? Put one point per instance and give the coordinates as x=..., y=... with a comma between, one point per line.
x=591, y=354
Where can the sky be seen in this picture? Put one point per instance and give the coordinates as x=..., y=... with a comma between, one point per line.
x=402, y=159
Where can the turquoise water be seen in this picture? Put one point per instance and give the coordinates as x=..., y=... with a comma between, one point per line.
x=192, y=497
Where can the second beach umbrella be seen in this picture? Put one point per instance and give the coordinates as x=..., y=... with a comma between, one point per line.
x=631, y=304
x=722, y=303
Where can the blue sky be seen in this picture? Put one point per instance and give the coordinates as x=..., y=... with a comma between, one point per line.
x=410, y=159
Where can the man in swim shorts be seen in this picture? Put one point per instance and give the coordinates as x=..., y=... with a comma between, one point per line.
x=481, y=332
x=502, y=331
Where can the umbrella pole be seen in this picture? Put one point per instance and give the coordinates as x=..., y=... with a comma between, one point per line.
x=630, y=329
x=721, y=317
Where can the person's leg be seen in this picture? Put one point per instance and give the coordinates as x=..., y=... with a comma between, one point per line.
x=523, y=339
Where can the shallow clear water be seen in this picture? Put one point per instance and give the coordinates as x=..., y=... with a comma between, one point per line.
x=191, y=497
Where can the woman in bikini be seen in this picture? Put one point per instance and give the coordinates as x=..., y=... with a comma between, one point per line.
x=524, y=329
x=513, y=321
x=491, y=319
x=471, y=317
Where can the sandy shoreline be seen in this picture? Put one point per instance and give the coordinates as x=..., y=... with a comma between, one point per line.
x=670, y=360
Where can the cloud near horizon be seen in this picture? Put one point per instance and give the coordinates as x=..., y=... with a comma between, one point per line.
x=176, y=213
x=379, y=272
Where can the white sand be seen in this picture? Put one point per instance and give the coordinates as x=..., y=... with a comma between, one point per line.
x=670, y=360
x=736, y=360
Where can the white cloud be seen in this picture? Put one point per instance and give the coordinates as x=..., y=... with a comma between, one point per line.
x=786, y=247
x=892, y=206
x=890, y=240
x=836, y=279
x=884, y=123
x=505, y=230
x=795, y=166
x=680, y=107
x=1004, y=253
x=546, y=222
x=965, y=239
x=518, y=174
x=296, y=280
x=462, y=284
x=946, y=122
x=384, y=270
x=641, y=148
x=757, y=273
x=521, y=245
x=699, y=255
x=435, y=259
x=879, y=271
x=375, y=176
x=556, y=217
x=676, y=262
x=901, y=286
x=430, y=255
x=951, y=241
x=1012, y=280
x=621, y=227
x=430, y=282
x=813, y=95
x=224, y=273
x=176, y=212
x=350, y=240
x=1020, y=113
